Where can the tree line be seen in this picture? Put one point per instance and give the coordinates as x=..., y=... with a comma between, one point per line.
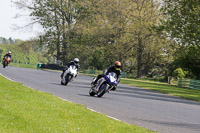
x=145, y=35
x=25, y=52
x=9, y=40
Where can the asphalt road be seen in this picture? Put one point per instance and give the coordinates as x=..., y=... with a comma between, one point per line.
x=146, y=108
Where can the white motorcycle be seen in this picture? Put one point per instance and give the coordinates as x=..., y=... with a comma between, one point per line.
x=69, y=74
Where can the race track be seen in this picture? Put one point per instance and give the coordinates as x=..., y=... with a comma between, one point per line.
x=146, y=108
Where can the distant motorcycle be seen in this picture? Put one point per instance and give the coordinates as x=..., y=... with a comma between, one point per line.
x=69, y=74
x=6, y=61
x=104, y=84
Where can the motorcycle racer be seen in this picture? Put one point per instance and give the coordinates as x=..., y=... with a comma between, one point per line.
x=74, y=62
x=114, y=68
x=7, y=55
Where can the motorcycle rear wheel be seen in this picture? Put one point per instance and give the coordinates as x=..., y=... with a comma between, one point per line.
x=91, y=92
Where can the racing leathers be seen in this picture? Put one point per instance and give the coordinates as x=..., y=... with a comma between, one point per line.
x=7, y=55
x=108, y=70
x=68, y=65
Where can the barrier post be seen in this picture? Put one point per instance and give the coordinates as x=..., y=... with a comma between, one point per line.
x=39, y=66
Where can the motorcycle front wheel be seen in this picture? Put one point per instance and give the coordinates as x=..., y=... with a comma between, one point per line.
x=102, y=90
x=67, y=77
x=4, y=64
x=61, y=83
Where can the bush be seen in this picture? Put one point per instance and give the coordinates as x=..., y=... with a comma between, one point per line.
x=179, y=73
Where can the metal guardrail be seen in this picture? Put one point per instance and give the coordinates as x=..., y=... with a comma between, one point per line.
x=189, y=83
x=195, y=84
x=50, y=66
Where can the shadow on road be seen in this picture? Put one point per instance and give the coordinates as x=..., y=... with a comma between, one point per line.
x=175, y=124
x=56, y=84
x=103, y=97
x=150, y=94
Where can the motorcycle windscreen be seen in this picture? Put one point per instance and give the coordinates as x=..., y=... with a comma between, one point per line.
x=73, y=67
x=112, y=78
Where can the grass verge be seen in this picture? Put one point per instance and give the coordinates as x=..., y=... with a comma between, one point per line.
x=33, y=66
x=185, y=93
x=24, y=110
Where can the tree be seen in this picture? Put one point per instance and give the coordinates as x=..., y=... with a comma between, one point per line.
x=5, y=41
x=57, y=17
x=179, y=73
x=181, y=24
x=11, y=40
x=144, y=45
x=123, y=29
x=106, y=30
x=182, y=21
x=189, y=60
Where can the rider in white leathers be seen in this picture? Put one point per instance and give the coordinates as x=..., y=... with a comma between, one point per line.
x=74, y=62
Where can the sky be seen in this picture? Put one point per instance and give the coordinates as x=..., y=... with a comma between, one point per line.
x=7, y=22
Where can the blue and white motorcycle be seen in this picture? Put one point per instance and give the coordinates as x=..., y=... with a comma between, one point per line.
x=104, y=84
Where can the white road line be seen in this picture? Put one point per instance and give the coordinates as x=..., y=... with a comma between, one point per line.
x=7, y=77
x=101, y=113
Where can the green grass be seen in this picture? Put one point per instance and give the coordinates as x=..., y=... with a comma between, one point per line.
x=186, y=93
x=33, y=66
x=24, y=110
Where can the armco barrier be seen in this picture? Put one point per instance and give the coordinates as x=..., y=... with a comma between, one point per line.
x=195, y=84
x=189, y=83
x=50, y=66
x=39, y=66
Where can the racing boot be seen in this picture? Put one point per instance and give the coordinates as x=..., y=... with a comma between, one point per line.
x=93, y=84
x=61, y=75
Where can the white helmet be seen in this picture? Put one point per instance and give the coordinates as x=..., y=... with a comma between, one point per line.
x=9, y=52
x=76, y=60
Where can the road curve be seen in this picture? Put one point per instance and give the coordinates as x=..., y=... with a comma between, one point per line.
x=146, y=108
